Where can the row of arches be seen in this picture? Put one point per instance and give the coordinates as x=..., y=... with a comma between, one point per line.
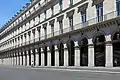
x=99, y=52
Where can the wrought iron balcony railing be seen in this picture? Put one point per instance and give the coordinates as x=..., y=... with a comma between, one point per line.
x=68, y=29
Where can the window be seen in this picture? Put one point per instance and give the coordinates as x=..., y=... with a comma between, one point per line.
x=99, y=8
x=61, y=26
x=52, y=9
x=71, y=22
x=71, y=2
x=52, y=29
x=45, y=30
x=60, y=3
x=39, y=18
x=118, y=7
x=83, y=16
x=45, y=14
x=33, y=21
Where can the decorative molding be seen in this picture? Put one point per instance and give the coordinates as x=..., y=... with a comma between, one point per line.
x=44, y=25
x=95, y=2
x=82, y=7
x=51, y=22
x=60, y=18
x=70, y=13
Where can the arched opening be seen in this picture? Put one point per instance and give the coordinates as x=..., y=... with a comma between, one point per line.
x=29, y=53
x=71, y=53
x=99, y=49
x=39, y=52
x=22, y=57
x=25, y=58
x=61, y=54
x=52, y=55
x=34, y=55
x=45, y=56
x=83, y=52
x=18, y=58
x=116, y=49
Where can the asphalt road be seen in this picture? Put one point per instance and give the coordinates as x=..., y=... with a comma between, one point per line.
x=12, y=73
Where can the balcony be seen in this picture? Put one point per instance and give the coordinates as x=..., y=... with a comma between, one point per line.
x=66, y=30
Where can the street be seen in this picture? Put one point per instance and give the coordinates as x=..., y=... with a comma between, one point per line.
x=14, y=73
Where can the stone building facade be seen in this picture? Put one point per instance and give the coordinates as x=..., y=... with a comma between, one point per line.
x=63, y=33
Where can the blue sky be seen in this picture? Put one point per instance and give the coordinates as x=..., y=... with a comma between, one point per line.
x=8, y=8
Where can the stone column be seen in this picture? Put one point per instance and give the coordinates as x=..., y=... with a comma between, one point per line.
x=77, y=55
x=23, y=58
x=32, y=56
x=90, y=53
x=65, y=55
x=37, y=57
x=42, y=57
x=13, y=59
x=17, y=59
x=109, y=52
x=56, y=56
x=27, y=57
x=48, y=57
x=20, y=59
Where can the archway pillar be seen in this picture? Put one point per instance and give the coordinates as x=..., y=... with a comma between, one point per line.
x=32, y=56
x=13, y=59
x=65, y=55
x=56, y=56
x=77, y=55
x=90, y=53
x=109, y=51
x=37, y=57
x=42, y=57
x=27, y=53
x=23, y=58
x=48, y=57
x=20, y=58
x=17, y=58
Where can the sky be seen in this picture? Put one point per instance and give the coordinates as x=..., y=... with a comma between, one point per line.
x=8, y=8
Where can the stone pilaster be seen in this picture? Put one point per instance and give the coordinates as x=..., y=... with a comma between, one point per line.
x=48, y=57
x=65, y=55
x=42, y=57
x=109, y=52
x=90, y=53
x=77, y=55
x=56, y=56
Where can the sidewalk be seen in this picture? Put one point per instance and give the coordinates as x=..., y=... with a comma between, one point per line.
x=104, y=69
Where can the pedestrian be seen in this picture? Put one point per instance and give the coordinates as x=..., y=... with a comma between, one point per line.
x=32, y=64
x=115, y=62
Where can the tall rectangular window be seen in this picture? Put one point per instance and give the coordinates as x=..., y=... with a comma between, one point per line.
x=83, y=16
x=45, y=14
x=99, y=8
x=60, y=3
x=71, y=22
x=45, y=30
x=61, y=26
x=52, y=29
x=71, y=2
x=118, y=7
x=52, y=9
